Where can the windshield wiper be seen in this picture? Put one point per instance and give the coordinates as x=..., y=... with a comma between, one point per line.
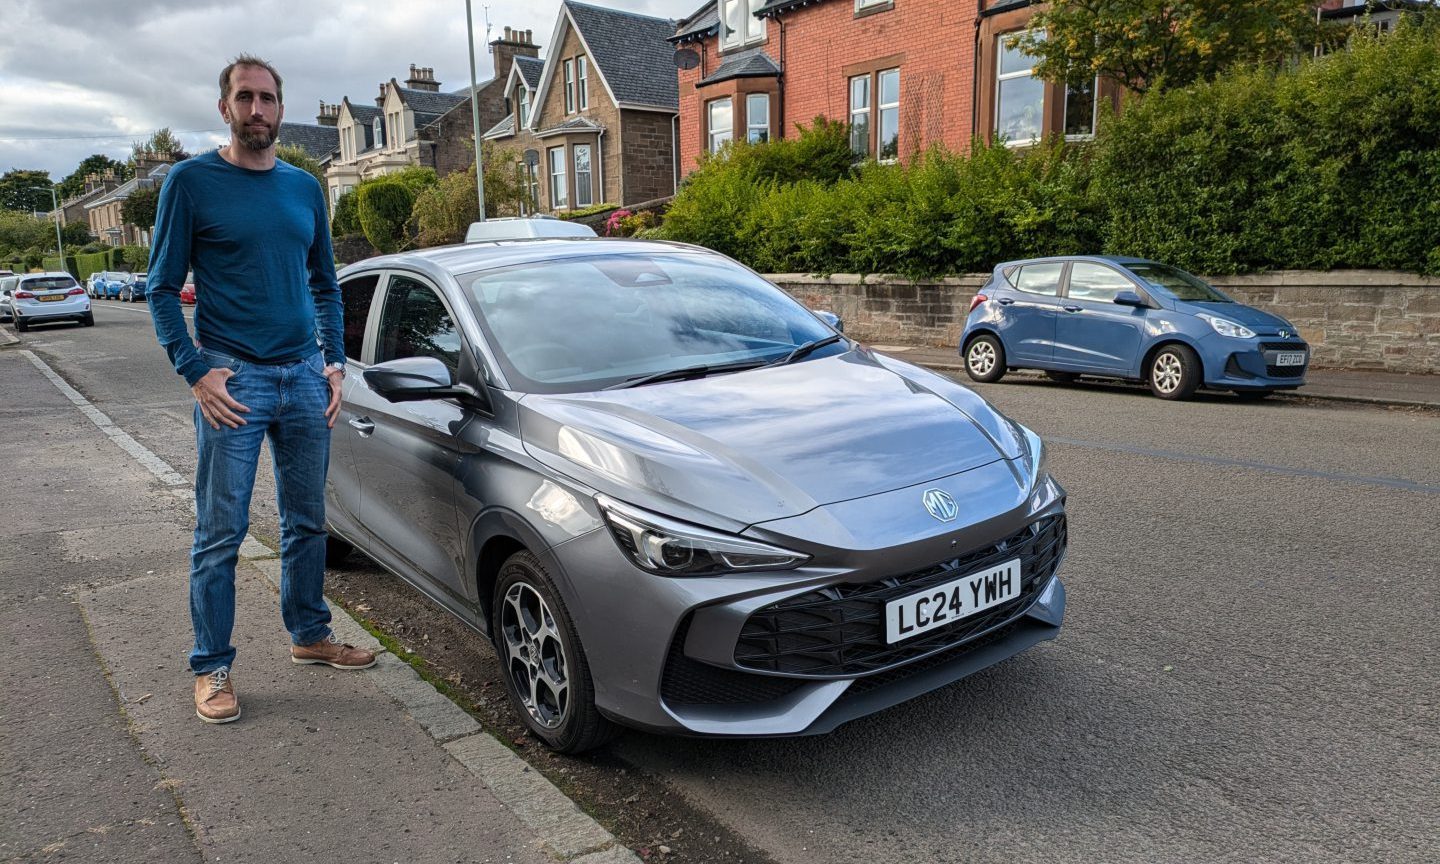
x=685, y=373
x=806, y=350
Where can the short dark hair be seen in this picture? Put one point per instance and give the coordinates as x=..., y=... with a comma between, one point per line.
x=251, y=60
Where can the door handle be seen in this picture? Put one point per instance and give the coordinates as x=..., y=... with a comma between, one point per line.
x=363, y=425
x=1073, y=308
x=1005, y=301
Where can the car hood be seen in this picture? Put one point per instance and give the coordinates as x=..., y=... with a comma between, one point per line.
x=767, y=443
x=1263, y=323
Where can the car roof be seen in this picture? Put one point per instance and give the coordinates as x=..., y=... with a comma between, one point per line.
x=489, y=255
x=1122, y=260
x=49, y=274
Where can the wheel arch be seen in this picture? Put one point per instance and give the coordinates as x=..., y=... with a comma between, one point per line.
x=1143, y=373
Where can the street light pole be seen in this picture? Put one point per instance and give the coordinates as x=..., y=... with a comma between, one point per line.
x=475, y=111
x=55, y=211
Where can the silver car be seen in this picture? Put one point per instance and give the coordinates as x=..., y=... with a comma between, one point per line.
x=40, y=298
x=673, y=497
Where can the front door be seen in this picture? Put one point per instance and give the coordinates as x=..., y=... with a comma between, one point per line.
x=1092, y=332
x=406, y=452
x=1028, y=322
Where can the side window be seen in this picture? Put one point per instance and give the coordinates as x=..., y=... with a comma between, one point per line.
x=414, y=323
x=356, y=295
x=1096, y=282
x=1040, y=278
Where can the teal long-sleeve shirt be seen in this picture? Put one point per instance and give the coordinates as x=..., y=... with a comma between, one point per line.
x=258, y=243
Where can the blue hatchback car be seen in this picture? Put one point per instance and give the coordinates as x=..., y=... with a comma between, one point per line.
x=1127, y=318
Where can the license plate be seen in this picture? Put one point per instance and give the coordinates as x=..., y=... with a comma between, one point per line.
x=945, y=604
x=50, y=298
x=1290, y=358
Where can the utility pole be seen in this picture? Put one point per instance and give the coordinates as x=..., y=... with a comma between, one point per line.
x=55, y=211
x=475, y=111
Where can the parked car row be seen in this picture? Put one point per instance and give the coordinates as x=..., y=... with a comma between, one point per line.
x=34, y=298
x=1127, y=318
x=113, y=285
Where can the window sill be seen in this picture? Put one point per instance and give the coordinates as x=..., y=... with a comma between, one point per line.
x=867, y=11
x=741, y=46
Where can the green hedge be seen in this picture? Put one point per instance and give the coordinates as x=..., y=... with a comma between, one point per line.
x=1333, y=162
x=55, y=265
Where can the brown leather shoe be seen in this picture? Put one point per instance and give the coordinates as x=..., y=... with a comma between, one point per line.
x=215, y=700
x=332, y=652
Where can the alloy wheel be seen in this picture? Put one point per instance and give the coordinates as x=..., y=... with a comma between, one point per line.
x=535, y=655
x=1167, y=372
x=981, y=358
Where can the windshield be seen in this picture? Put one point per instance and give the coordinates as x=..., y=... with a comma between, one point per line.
x=582, y=324
x=1177, y=282
x=52, y=284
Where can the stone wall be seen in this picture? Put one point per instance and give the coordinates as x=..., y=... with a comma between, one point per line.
x=1353, y=319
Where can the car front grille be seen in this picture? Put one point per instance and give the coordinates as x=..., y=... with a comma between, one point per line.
x=690, y=682
x=1284, y=346
x=839, y=630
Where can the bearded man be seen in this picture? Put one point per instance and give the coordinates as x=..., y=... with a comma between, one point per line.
x=267, y=361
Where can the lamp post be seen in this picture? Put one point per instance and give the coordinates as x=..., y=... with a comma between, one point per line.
x=475, y=110
x=55, y=211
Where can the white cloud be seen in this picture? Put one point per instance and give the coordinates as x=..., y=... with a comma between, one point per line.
x=91, y=76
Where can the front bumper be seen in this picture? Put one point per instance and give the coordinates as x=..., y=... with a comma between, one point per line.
x=679, y=655
x=1251, y=364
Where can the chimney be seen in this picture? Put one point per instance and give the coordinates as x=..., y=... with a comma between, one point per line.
x=515, y=43
x=422, y=78
x=329, y=114
x=380, y=100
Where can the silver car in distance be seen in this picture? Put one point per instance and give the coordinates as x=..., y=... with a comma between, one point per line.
x=674, y=498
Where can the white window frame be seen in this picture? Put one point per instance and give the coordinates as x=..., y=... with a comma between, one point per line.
x=881, y=108
x=584, y=194
x=751, y=29
x=569, y=86
x=581, y=79
x=752, y=127
x=867, y=110
x=1010, y=76
x=524, y=117
x=711, y=133
x=559, y=188
x=861, y=5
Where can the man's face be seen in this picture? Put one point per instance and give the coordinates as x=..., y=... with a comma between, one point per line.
x=253, y=108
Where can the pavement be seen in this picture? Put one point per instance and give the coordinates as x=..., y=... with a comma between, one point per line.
x=101, y=756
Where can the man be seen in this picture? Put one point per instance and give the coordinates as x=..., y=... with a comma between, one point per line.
x=256, y=234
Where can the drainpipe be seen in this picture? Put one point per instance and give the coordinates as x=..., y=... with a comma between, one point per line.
x=780, y=83
x=600, y=160
x=675, y=154
x=975, y=76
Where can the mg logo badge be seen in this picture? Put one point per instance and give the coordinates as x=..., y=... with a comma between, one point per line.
x=941, y=505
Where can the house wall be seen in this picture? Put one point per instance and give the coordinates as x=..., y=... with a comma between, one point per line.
x=647, y=140
x=1353, y=319
x=931, y=42
x=600, y=110
x=453, y=137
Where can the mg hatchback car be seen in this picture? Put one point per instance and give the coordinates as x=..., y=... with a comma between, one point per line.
x=1127, y=318
x=673, y=497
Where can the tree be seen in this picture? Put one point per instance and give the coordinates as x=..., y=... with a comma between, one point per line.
x=163, y=142
x=20, y=232
x=1159, y=44
x=76, y=234
x=384, y=209
x=139, y=208
x=98, y=164
x=18, y=192
x=296, y=155
x=346, y=219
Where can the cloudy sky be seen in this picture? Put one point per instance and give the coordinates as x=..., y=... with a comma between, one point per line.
x=91, y=76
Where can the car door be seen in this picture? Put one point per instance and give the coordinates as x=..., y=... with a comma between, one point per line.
x=344, y=490
x=1030, y=311
x=1092, y=332
x=406, y=453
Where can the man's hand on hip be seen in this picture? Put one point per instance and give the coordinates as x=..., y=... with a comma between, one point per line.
x=216, y=404
x=337, y=382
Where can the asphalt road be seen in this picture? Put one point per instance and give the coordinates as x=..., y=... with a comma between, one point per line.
x=1247, y=671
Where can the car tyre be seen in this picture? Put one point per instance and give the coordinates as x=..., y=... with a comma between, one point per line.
x=1174, y=372
x=336, y=550
x=542, y=661
x=985, y=359
x=87, y=320
x=1063, y=377
x=21, y=325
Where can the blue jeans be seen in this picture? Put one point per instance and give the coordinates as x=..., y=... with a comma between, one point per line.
x=287, y=404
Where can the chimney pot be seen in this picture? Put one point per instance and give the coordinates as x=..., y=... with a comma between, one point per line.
x=527, y=38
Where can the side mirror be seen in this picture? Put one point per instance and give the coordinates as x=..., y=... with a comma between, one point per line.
x=830, y=318
x=415, y=379
x=1130, y=298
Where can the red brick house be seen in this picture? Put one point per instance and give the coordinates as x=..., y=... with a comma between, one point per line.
x=905, y=74
x=598, y=121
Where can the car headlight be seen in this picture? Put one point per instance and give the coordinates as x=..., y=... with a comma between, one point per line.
x=1229, y=328
x=669, y=548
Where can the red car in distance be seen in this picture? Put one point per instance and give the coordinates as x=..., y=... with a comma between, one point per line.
x=187, y=294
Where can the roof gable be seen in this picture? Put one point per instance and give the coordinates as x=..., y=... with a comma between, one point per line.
x=633, y=61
